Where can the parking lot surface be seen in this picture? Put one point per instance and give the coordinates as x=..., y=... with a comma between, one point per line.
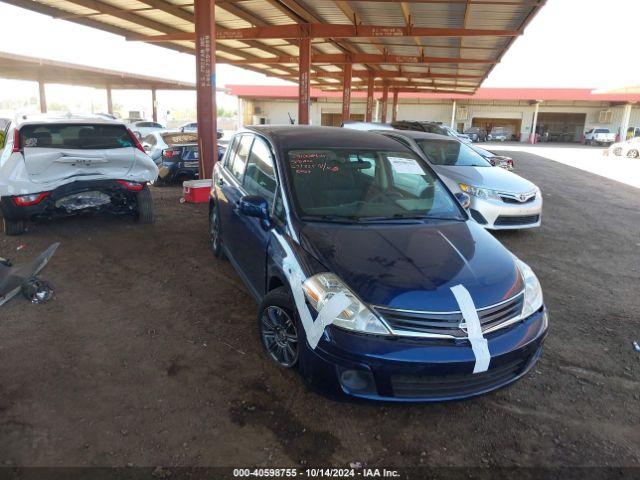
x=149, y=353
x=589, y=158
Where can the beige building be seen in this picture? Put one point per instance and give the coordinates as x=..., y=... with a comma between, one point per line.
x=562, y=115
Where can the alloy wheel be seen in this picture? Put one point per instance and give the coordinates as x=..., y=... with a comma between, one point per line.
x=214, y=230
x=279, y=335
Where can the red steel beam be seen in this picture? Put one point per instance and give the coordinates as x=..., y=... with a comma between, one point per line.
x=346, y=92
x=361, y=76
x=205, y=24
x=304, y=81
x=385, y=103
x=394, y=110
x=320, y=30
x=370, y=99
x=370, y=58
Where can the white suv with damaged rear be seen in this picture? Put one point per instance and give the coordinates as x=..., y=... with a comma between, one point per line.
x=57, y=167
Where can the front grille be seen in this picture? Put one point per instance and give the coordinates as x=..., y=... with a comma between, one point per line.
x=517, y=220
x=516, y=201
x=449, y=324
x=454, y=385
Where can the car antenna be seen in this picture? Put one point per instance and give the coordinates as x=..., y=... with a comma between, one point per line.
x=291, y=120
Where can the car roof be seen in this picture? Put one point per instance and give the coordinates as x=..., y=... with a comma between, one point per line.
x=302, y=136
x=368, y=126
x=68, y=120
x=417, y=135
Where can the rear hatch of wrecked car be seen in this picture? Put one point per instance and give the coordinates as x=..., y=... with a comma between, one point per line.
x=59, y=152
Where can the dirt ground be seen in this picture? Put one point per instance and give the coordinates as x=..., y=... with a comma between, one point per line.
x=149, y=354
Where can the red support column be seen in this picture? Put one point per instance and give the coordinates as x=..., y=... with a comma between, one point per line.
x=370, y=99
x=385, y=103
x=347, y=70
x=205, y=24
x=154, y=105
x=394, y=110
x=304, y=84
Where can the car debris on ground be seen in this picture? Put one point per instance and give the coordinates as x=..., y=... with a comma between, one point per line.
x=24, y=278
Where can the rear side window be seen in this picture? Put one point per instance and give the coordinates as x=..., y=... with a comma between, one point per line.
x=4, y=128
x=238, y=157
x=179, y=138
x=259, y=178
x=72, y=136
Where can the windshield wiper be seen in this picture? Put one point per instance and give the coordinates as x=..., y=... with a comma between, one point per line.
x=401, y=216
x=330, y=218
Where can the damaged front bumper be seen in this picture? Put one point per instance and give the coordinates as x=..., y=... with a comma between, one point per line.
x=113, y=196
x=402, y=369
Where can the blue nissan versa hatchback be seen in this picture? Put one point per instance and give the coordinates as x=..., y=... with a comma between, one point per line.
x=371, y=278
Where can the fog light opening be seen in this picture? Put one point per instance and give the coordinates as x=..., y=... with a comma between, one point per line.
x=356, y=380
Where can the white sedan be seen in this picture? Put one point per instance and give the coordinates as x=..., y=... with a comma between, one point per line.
x=629, y=148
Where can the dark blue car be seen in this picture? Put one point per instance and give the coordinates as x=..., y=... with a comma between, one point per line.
x=372, y=280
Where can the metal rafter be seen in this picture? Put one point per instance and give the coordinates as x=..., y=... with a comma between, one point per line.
x=173, y=22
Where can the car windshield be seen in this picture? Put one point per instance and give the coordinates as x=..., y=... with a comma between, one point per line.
x=602, y=130
x=75, y=136
x=451, y=153
x=179, y=138
x=482, y=151
x=349, y=185
x=434, y=128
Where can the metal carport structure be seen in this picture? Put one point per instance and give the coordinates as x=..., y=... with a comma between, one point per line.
x=378, y=45
x=43, y=71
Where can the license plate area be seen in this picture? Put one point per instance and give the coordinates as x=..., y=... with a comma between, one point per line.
x=83, y=200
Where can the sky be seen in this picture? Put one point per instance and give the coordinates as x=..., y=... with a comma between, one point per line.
x=570, y=43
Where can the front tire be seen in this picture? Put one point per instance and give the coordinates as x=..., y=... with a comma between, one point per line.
x=145, y=206
x=633, y=154
x=278, y=326
x=215, y=242
x=14, y=227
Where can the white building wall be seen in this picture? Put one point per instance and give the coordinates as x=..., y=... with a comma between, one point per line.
x=277, y=111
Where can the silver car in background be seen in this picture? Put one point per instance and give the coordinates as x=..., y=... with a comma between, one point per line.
x=500, y=200
x=142, y=128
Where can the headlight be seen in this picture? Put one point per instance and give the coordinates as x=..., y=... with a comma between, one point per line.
x=357, y=317
x=483, y=193
x=532, y=290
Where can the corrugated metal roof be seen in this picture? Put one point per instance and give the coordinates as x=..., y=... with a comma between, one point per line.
x=21, y=67
x=167, y=17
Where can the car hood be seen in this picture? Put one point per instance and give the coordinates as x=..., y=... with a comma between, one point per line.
x=494, y=178
x=414, y=266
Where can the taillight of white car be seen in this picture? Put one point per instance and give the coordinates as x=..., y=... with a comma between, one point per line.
x=31, y=199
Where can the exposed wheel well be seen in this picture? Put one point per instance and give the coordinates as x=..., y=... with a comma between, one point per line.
x=274, y=282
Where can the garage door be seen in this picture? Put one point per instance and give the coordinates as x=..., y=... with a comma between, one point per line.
x=335, y=119
x=561, y=127
x=511, y=125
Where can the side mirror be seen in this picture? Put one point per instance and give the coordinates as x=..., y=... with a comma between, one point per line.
x=257, y=207
x=463, y=199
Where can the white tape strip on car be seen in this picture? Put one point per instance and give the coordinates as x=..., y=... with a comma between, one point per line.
x=326, y=315
x=474, y=329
